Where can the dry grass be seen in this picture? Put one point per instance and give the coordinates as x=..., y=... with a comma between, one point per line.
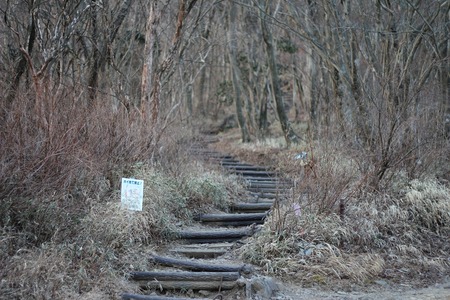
x=346, y=228
x=64, y=234
x=377, y=233
x=108, y=241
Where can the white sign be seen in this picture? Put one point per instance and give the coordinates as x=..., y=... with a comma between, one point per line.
x=132, y=193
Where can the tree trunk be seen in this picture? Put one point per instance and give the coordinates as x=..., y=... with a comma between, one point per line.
x=21, y=65
x=102, y=47
x=147, y=70
x=236, y=73
x=289, y=133
x=202, y=92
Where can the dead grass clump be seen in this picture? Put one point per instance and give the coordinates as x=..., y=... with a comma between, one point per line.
x=211, y=187
x=357, y=267
x=428, y=205
x=164, y=201
x=116, y=228
x=60, y=272
x=378, y=232
x=313, y=261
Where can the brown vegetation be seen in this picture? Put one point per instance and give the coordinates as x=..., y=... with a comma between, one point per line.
x=336, y=226
x=95, y=91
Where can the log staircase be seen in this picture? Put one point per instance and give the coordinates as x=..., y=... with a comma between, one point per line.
x=199, y=262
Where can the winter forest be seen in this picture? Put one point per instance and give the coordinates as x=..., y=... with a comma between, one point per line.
x=93, y=88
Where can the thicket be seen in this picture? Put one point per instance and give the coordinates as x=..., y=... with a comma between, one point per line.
x=63, y=231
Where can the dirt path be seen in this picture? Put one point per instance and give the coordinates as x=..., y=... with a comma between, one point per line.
x=439, y=291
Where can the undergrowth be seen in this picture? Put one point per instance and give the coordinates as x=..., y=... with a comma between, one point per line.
x=345, y=222
x=107, y=241
x=336, y=226
x=64, y=234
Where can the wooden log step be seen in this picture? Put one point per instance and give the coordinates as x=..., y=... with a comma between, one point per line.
x=267, y=190
x=234, y=163
x=243, y=206
x=222, y=161
x=245, y=168
x=212, y=240
x=268, y=195
x=245, y=173
x=191, y=285
x=265, y=200
x=213, y=246
x=230, y=217
x=259, y=199
x=268, y=184
x=265, y=179
x=198, y=266
x=184, y=276
x=219, y=155
x=235, y=223
x=199, y=253
x=128, y=296
x=215, y=234
x=219, y=160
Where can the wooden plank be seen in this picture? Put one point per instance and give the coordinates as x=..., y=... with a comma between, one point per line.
x=245, y=168
x=197, y=266
x=230, y=217
x=215, y=155
x=268, y=184
x=235, y=223
x=184, y=276
x=269, y=195
x=251, y=206
x=191, y=285
x=272, y=178
x=213, y=246
x=267, y=190
x=245, y=173
x=236, y=233
x=233, y=163
x=212, y=240
x=258, y=199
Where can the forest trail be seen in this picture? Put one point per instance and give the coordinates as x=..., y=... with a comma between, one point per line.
x=202, y=262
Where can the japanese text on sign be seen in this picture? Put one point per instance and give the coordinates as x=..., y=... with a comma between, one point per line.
x=132, y=193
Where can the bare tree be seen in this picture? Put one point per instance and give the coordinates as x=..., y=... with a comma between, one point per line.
x=289, y=134
x=236, y=73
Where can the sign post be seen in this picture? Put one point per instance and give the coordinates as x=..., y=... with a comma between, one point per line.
x=132, y=194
